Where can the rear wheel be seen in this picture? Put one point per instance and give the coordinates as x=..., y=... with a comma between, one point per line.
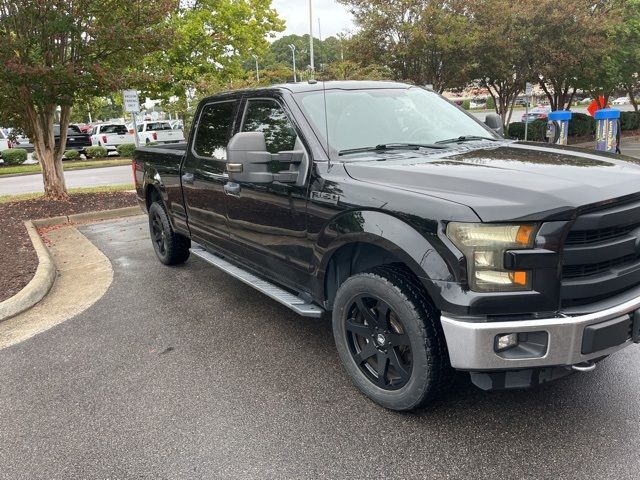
x=390, y=340
x=171, y=248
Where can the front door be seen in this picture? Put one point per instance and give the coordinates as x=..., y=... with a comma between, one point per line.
x=203, y=173
x=267, y=223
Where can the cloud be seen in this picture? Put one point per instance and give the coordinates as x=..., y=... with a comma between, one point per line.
x=334, y=17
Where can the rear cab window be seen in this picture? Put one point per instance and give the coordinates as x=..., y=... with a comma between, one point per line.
x=215, y=128
x=158, y=126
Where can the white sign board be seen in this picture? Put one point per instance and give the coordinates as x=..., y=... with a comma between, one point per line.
x=131, y=102
x=528, y=89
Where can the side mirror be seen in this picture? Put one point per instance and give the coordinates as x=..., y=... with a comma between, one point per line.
x=494, y=122
x=249, y=161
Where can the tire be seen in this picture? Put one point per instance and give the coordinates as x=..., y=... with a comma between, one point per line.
x=171, y=248
x=384, y=323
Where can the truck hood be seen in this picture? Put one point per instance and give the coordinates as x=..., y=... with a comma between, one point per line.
x=506, y=181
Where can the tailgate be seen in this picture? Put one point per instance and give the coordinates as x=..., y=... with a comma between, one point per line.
x=170, y=135
x=119, y=139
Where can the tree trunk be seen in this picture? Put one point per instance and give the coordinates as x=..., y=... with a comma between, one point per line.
x=632, y=96
x=50, y=157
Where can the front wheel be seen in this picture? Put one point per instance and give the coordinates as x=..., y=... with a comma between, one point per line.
x=390, y=340
x=171, y=248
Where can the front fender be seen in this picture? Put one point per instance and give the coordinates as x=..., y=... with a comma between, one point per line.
x=422, y=252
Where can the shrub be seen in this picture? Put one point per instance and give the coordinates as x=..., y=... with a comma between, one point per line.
x=536, y=131
x=466, y=104
x=96, y=152
x=126, y=149
x=14, y=156
x=71, y=155
x=581, y=125
x=491, y=104
x=629, y=120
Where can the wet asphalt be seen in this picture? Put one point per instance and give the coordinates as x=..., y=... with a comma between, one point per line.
x=187, y=373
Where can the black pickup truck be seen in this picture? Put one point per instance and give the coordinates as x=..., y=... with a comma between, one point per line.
x=436, y=244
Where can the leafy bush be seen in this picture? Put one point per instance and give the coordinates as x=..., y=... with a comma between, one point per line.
x=466, y=104
x=491, y=104
x=581, y=125
x=71, y=155
x=126, y=149
x=629, y=121
x=96, y=152
x=14, y=156
x=536, y=132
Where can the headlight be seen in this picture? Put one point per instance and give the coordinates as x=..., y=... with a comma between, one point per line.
x=483, y=245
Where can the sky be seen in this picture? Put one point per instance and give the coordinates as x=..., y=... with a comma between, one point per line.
x=334, y=17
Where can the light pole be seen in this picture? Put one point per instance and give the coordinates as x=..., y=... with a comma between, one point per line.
x=293, y=53
x=255, y=57
x=311, y=34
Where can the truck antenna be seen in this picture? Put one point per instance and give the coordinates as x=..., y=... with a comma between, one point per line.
x=326, y=121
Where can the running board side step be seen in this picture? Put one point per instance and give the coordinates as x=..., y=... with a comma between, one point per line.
x=280, y=295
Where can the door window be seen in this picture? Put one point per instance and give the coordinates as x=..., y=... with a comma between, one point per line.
x=214, y=130
x=269, y=117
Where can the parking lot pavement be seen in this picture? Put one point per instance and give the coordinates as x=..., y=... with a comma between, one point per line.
x=187, y=373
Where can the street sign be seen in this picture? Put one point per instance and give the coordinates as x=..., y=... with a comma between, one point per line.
x=131, y=102
x=528, y=89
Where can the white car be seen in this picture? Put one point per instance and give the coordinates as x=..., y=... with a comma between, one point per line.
x=158, y=132
x=622, y=101
x=4, y=140
x=110, y=135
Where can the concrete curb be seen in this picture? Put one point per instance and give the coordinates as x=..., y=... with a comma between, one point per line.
x=46, y=272
x=89, y=216
x=39, y=285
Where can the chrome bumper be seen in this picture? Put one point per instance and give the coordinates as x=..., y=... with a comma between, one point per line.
x=471, y=343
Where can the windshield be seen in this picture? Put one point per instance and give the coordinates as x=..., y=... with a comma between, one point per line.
x=366, y=118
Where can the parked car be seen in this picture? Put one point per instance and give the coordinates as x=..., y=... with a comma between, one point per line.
x=4, y=140
x=76, y=140
x=434, y=243
x=622, y=101
x=522, y=102
x=110, y=135
x=537, y=113
x=478, y=103
x=158, y=132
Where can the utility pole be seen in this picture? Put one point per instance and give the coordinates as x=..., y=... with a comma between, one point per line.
x=319, y=45
x=293, y=53
x=255, y=57
x=311, y=35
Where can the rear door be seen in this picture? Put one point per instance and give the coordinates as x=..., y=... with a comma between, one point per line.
x=203, y=172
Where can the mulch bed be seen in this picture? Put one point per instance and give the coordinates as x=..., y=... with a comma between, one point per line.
x=18, y=260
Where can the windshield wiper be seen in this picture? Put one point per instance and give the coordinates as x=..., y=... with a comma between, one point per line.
x=390, y=146
x=466, y=138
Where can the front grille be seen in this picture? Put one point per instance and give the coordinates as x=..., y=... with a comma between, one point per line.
x=602, y=254
x=575, y=271
x=581, y=237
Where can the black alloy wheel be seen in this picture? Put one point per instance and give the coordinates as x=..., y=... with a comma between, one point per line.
x=171, y=248
x=378, y=342
x=158, y=236
x=389, y=338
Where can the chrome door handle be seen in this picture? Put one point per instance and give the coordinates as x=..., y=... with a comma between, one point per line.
x=232, y=188
x=189, y=178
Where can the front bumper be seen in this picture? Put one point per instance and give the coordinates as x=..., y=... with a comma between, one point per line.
x=472, y=341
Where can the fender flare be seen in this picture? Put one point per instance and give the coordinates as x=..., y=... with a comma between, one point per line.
x=390, y=233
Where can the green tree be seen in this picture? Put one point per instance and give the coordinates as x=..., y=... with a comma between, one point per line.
x=55, y=51
x=211, y=40
x=425, y=42
x=565, y=37
x=626, y=51
x=501, y=51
